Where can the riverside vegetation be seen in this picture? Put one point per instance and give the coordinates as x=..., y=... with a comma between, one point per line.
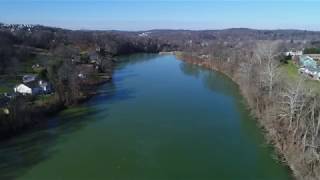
x=285, y=104
x=286, y=107
x=75, y=62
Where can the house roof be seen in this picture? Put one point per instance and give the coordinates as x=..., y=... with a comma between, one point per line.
x=310, y=64
x=305, y=58
x=29, y=77
x=32, y=84
x=35, y=84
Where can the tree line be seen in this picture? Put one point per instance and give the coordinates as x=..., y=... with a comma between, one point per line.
x=288, y=109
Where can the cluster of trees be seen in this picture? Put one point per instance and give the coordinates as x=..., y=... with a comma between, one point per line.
x=312, y=50
x=18, y=42
x=7, y=54
x=289, y=110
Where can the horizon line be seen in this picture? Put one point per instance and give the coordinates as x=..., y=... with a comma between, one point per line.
x=163, y=29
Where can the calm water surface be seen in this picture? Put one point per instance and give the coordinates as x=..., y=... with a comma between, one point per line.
x=160, y=119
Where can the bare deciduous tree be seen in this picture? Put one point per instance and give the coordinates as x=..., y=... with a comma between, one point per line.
x=293, y=102
x=266, y=53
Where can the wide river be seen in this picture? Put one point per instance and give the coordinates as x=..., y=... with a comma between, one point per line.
x=159, y=119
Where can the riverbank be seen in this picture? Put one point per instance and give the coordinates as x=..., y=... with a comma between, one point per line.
x=26, y=112
x=267, y=129
x=144, y=126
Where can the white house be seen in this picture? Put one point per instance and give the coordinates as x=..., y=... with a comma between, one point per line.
x=33, y=88
x=81, y=76
x=144, y=34
x=23, y=89
x=294, y=53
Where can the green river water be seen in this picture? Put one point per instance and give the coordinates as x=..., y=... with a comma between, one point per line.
x=159, y=119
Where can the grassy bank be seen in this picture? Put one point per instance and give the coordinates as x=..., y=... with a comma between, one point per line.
x=290, y=71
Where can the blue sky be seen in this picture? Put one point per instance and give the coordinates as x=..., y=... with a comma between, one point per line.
x=155, y=14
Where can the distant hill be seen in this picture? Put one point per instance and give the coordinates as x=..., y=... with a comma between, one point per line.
x=124, y=42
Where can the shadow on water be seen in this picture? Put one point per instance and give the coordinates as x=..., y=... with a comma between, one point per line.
x=111, y=93
x=212, y=80
x=190, y=69
x=20, y=153
x=219, y=83
x=124, y=75
x=124, y=61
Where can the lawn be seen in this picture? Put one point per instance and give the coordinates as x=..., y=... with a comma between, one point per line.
x=7, y=83
x=291, y=70
x=4, y=89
